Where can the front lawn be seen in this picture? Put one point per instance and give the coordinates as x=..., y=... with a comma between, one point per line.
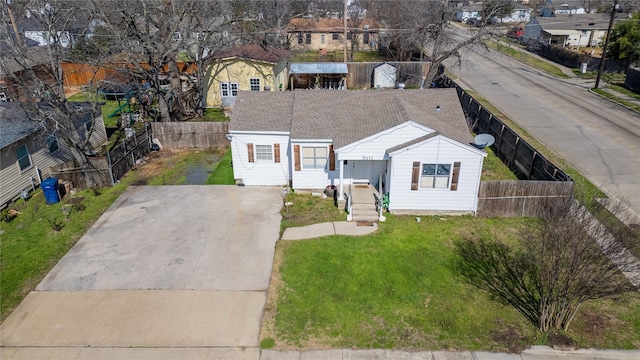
x=395, y=289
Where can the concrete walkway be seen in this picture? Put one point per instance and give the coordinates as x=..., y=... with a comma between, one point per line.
x=327, y=229
x=534, y=353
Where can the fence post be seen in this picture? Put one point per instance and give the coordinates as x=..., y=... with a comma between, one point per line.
x=146, y=135
x=113, y=180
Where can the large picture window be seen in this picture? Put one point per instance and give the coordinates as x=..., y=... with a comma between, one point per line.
x=435, y=176
x=314, y=157
x=264, y=153
x=24, y=160
x=229, y=89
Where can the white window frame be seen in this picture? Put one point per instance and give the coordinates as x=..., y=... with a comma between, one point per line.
x=263, y=152
x=20, y=158
x=229, y=89
x=435, y=176
x=322, y=39
x=254, y=84
x=314, y=161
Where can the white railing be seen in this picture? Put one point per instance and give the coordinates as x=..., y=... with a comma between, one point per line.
x=349, y=205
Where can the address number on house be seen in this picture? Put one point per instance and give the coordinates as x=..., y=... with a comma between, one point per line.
x=367, y=158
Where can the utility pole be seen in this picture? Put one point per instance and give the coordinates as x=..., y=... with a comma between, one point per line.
x=606, y=43
x=344, y=16
x=13, y=23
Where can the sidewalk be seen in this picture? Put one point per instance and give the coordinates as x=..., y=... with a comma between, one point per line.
x=327, y=229
x=534, y=353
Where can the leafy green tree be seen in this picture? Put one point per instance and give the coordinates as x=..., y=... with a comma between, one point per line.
x=624, y=44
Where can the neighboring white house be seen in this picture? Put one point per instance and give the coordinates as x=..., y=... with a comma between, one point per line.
x=475, y=11
x=416, y=141
x=568, y=30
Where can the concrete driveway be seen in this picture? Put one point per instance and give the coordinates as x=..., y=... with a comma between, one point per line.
x=183, y=267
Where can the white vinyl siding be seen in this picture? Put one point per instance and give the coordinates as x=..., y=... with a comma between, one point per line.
x=269, y=173
x=437, y=150
x=316, y=177
x=375, y=147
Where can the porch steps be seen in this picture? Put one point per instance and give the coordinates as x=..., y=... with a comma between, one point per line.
x=363, y=204
x=364, y=212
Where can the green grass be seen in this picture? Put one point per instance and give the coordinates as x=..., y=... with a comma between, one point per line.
x=223, y=173
x=213, y=114
x=607, y=77
x=494, y=169
x=334, y=56
x=396, y=289
x=176, y=169
x=30, y=247
x=523, y=56
x=616, y=98
x=308, y=209
x=109, y=107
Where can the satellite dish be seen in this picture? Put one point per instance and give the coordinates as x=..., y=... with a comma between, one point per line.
x=483, y=140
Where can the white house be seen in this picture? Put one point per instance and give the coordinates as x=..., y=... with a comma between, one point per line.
x=568, y=30
x=416, y=141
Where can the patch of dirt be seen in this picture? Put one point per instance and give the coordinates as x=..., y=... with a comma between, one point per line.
x=509, y=337
x=155, y=163
x=561, y=341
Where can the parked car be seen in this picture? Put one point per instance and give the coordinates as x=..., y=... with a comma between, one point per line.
x=515, y=32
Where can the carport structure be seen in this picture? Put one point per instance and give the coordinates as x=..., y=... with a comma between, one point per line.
x=166, y=272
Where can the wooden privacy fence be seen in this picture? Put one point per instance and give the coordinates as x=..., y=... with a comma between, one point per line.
x=632, y=81
x=360, y=75
x=107, y=170
x=504, y=198
x=97, y=175
x=514, y=151
x=199, y=135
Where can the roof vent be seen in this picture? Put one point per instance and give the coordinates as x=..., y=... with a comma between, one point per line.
x=591, y=24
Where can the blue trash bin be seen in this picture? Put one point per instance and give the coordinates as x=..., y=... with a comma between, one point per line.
x=50, y=189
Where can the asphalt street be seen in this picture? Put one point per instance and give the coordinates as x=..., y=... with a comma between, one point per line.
x=599, y=138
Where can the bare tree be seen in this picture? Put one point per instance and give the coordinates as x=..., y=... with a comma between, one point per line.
x=158, y=37
x=570, y=258
x=36, y=74
x=421, y=28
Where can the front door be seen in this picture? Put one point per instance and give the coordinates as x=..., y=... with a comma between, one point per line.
x=361, y=172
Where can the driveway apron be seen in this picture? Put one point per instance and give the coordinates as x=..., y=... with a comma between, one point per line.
x=165, y=267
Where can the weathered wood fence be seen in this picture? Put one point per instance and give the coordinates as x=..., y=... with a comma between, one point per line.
x=514, y=151
x=199, y=135
x=632, y=81
x=504, y=198
x=360, y=75
x=107, y=170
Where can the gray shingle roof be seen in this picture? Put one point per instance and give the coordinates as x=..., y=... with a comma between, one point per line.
x=262, y=111
x=575, y=22
x=348, y=116
x=14, y=124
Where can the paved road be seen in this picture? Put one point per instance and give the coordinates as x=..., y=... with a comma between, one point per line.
x=171, y=272
x=597, y=137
